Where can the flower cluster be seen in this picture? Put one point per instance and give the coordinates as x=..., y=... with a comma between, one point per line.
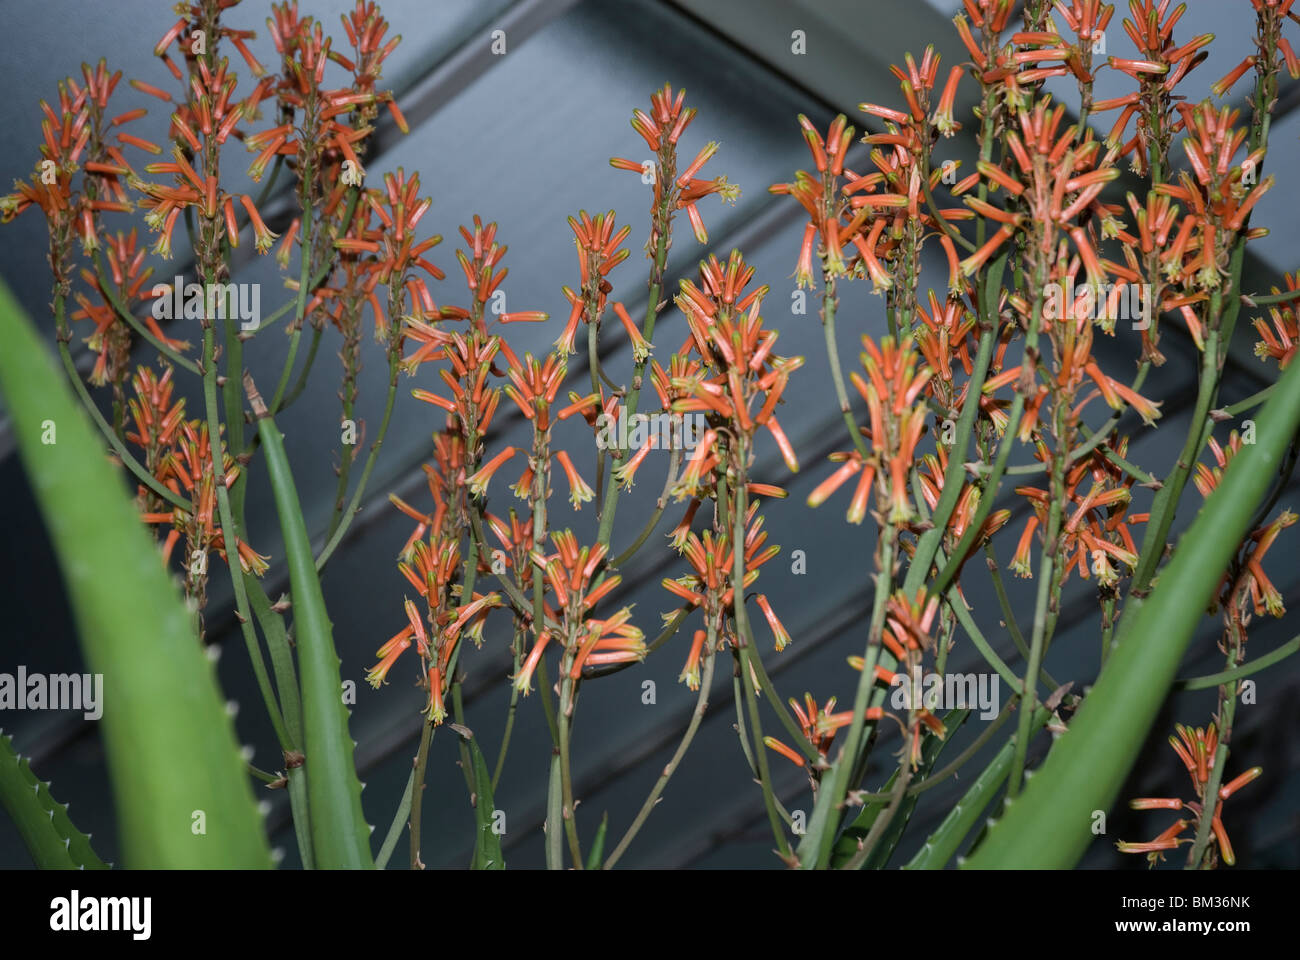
x=431, y=563
x=322, y=147
x=1280, y=342
x=740, y=380
x=710, y=586
x=571, y=575
x=178, y=452
x=661, y=128
x=875, y=216
x=1096, y=534
x=1196, y=748
x=1245, y=587
x=892, y=391
x=819, y=726
x=598, y=246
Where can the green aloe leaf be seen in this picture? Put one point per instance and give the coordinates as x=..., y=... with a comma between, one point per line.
x=597, y=852
x=43, y=822
x=1050, y=824
x=181, y=791
x=857, y=831
x=487, y=842
x=965, y=813
x=339, y=832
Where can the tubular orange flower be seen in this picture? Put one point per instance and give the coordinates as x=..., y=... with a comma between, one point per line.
x=264, y=238
x=388, y=653
x=479, y=481
x=788, y=752
x=690, y=674
x=579, y=491
x=778, y=631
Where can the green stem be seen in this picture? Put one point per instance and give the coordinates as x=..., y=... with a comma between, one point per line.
x=994, y=479
x=747, y=653
x=299, y=309
x=965, y=813
x=1004, y=601
x=781, y=710
x=1264, y=300
x=119, y=448
x=934, y=780
x=981, y=644
x=286, y=684
x=674, y=461
x=829, y=301
x=1245, y=670
x=953, y=478
x=354, y=505
x=458, y=714
x=1047, y=575
x=395, y=828
x=300, y=384
x=1254, y=400
x=816, y=846
x=517, y=649
x=1155, y=536
x=609, y=505
x=883, y=820
x=564, y=721
x=417, y=792
x=701, y=705
x=230, y=537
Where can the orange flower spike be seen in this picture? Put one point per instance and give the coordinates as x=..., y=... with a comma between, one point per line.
x=857, y=511
x=976, y=260
x=816, y=146
x=1020, y=563
x=1183, y=746
x=933, y=723
x=640, y=346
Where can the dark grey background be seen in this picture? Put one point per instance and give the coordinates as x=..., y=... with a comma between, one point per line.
x=524, y=139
